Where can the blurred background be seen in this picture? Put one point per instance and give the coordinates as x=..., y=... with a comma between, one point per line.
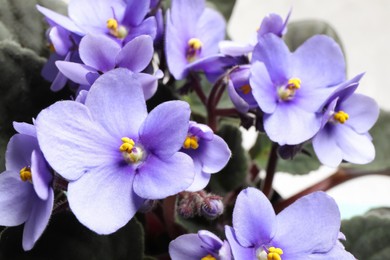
x=364, y=29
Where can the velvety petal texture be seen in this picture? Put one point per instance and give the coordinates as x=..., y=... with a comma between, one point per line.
x=187, y=246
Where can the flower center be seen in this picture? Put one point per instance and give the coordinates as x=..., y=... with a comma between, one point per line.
x=194, y=48
x=340, y=117
x=131, y=152
x=116, y=29
x=25, y=174
x=246, y=89
x=191, y=142
x=272, y=253
x=288, y=92
x=208, y=257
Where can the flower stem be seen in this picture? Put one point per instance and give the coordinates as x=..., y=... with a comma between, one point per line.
x=270, y=172
x=198, y=89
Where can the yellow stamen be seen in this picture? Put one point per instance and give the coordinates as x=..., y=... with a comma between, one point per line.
x=131, y=153
x=246, y=89
x=193, y=49
x=191, y=142
x=341, y=117
x=294, y=83
x=195, y=43
x=208, y=257
x=112, y=24
x=25, y=174
x=274, y=253
x=127, y=146
x=116, y=30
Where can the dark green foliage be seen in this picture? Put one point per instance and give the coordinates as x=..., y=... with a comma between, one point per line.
x=368, y=236
x=224, y=6
x=65, y=238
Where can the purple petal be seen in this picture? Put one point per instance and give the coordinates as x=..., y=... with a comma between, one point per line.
x=15, y=199
x=76, y=72
x=116, y=101
x=363, y=112
x=148, y=82
x=210, y=240
x=239, y=103
x=165, y=129
x=75, y=144
x=238, y=251
x=314, y=220
x=326, y=148
x=41, y=175
x=263, y=89
x=25, y=128
x=147, y=27
x=274, y=53
x=235, y=49
x=159, y=178
x=319, y=62
x=18, y=153
x=60, y=39
x=187, y=246
x=291, y=125
x=336, y=253
x=185, y=15
x=37, y=221
x=136, y=54
x=103, y=199
x=135, y=12
x=312, y=99
x=272, y=23
x=254, y=219
x=214, y=155
x=99, y=52
x=201, y=178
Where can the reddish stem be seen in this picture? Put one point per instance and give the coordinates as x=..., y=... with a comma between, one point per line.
x=270, y=172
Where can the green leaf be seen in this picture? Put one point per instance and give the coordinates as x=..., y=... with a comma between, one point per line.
x=381, y=136
x=65, y=238
x=224, y=6
x=368, y=236
x=302, y=163
x=235, y=172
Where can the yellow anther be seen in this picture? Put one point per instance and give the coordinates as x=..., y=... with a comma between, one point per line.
x=127, y=146
x=52, y=48
x=341, y=117
x=112, y=24
x=25, y=174
x=246, y=89
x=274, y=253
x=191, y=142
x=208, y=257
x=294, y=83
x=195, y=43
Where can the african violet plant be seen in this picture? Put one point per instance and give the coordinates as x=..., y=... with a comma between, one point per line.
x=142, y=144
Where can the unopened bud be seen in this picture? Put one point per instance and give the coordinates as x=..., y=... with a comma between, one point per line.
x=213, y=209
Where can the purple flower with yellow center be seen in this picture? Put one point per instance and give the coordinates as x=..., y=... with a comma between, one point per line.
x=209, y=152
x=192, y=33
x=113, y=153
x=346, y=121
x=307, y=229
x=201, y=246
x=26, y=195
x=122, y=20
x=291, y=88
x=101, y=54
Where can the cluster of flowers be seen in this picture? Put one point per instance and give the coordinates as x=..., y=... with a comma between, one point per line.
x=114, y=156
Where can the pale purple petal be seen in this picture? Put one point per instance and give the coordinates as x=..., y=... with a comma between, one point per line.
x=289, y=124
x=99, y=52
x=185, y=16
x=201, y=178
x=75, y=144
x=326, y=148
x=312, y=99
x=187, y=246
x=117, y=102
x=37, y=221
x=214, y=154
x=159, y=178
x=76, y=72
x=363, y=112
x=60, y=38
x=41, y=175
x=240, y=104
x=147, y=27
x=254, y=219
x=25, y=128
x=238, y=251
x=314, y=220
x=234, y=48
x=148, y=82
x=263, y=89
x=136, y=54
x=274, y=53
x=336, y=253
x=210, y=240
x=15, y=199
x=18, y=153
x=165, y=129
x=135, y=12
x=103, y=199
x=319, y=62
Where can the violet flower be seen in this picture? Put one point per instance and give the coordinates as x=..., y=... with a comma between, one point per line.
x=101, y=54
x=346, y=121
x=113, y=153
x=307, y=229
x=26, y=195
x=209, y=152
x=192, y=33
x=291, y=88
x=201, y=246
